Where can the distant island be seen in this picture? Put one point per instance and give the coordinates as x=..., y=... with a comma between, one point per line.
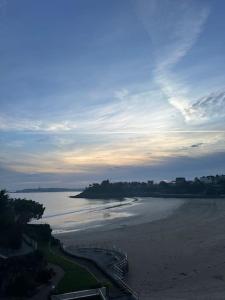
x=48, y=190
x=203, y=187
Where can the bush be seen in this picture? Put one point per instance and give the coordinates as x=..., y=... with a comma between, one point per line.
x=19, y=276
x=21, y=285
x=45, y=275
x=11, y=238
x=39, y=232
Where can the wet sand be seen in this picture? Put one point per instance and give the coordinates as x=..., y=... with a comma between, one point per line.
x=179, y=257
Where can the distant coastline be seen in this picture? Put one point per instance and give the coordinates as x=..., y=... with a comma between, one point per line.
x=122, y=196
x=48, y=190
x=203, y=187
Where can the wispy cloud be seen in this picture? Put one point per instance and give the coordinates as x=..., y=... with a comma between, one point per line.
x=197, y=145
x=9, y=124
x=124, y=101
x=174, y=28
x=207, y=108
x=115, y=151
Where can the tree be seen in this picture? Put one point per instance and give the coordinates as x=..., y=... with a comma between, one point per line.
x=14, y=214
x=27, y=210
x=6, y=211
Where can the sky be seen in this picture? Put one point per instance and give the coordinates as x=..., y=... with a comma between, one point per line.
x=110, y=89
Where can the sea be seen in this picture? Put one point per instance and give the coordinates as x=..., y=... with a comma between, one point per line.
x=66, y=214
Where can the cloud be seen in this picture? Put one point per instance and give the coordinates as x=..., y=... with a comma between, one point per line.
x=197, y=145
x=170, y=168
x=62, y=154
x=207, y=108
x=9, y=124
x=174, y=28
x=184, y=37
x=127, y=120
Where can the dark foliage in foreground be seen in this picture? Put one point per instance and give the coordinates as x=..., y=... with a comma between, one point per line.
x=21, y=275
x=14, y=215
x=41, y=233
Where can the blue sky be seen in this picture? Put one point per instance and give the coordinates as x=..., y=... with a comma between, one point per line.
x=125, y=90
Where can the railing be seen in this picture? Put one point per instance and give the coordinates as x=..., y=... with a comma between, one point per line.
x=114, y=276
x=127, y=288
x=81, y=294
x=120, y=267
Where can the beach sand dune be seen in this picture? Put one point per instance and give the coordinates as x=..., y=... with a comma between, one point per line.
x=179, y=257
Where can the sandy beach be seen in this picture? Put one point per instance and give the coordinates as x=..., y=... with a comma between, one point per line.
x=178, y=257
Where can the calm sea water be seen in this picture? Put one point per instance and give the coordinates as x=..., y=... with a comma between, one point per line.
x=72, y=214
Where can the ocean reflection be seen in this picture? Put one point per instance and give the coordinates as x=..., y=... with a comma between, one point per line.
x=72, y=214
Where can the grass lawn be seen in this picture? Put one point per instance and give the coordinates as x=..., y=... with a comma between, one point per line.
x=75, y=277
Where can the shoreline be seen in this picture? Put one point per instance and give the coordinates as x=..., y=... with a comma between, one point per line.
x=122, y=197
x=177, y=257
x=129, y=212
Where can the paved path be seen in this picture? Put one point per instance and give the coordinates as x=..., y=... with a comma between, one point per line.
x=114, y=291
x=45, y=290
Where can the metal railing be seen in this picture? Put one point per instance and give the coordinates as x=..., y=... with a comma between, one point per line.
x=81, y=294
x=116, y=276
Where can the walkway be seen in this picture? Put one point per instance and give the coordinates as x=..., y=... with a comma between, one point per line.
x=45, y=290
x=116, y=291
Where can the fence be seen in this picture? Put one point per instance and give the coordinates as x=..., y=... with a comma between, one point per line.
x=116, y=274
x=81, y=294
